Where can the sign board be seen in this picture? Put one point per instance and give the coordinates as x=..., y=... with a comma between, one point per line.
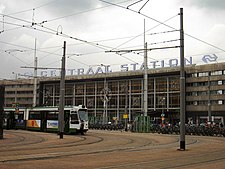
x=125, y=116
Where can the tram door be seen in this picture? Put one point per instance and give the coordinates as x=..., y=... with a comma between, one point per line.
x=67, y=121
x=10, y=120
x=43, y=121
x=19, y=120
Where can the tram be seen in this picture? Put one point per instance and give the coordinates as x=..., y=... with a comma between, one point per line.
x=45, y=119
x=14, y=118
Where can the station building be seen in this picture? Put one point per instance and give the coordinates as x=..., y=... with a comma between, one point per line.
x=113, y=95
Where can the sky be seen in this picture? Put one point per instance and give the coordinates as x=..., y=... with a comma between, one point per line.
x=97, y=32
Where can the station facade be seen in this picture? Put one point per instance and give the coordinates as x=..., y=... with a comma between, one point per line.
x=118, y=95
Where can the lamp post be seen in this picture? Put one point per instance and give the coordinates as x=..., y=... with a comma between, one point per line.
x=163, y=103
x=105, y=91
x=105, y=98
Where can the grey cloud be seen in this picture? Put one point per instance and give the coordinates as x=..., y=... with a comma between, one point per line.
x=211, y=4
x=62, y=7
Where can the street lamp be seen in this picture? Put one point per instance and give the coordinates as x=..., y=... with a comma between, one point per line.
x=105, y=98
x=162, y=101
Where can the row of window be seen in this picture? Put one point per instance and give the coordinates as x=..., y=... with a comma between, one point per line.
x=212, y=83
x=163, y=92
x=164, y=84
x=204, y=74
x=163, y=100
x=20, y=105
x=203, y=93
x=18, y=92
x=213, y=102
x=22, y=85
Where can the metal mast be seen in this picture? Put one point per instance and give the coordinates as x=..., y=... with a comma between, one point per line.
x=182, y=85
x=35, y=74
x=62, y=94
x=145, y=76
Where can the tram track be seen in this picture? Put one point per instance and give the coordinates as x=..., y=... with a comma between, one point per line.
x=80, y=151
x=72, y=143
x=103, y=144
x=22, y=139
x=183, y=162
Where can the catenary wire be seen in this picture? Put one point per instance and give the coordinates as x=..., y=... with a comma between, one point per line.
x=143, y=33
x=78, y=13
x=162, y=24
x=198, y=39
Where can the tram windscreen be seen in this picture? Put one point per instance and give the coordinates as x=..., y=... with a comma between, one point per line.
x=83, y=115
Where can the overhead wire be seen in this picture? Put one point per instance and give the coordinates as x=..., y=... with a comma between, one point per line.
x=82, y=12
x=143, y=6
x=162, y=24
x=64, y=35
x=147, y=17
x=6, y=30
x=134, y=3
x=3, y=25
x=143, y=33
x=77, y=39
x=138, y=13
x=90, y=43
x=52, y=53
x=103, y=48
x=79, y=62
x=106, y=40
x=53, y=32
x=9, y=53
x=153, y=43
x=87, y=41
x=7, y=43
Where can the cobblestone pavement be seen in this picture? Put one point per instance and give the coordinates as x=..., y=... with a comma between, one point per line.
x=108, y=149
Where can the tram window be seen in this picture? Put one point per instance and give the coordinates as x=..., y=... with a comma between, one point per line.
x=34, y=115
x=83, y=115
x=74, y=119
x=52, y=115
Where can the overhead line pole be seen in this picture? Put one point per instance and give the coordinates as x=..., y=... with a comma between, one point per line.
x=145, y=76
x=182, y=85
x=62, y=94
x=35, y=74
x=2, y=99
